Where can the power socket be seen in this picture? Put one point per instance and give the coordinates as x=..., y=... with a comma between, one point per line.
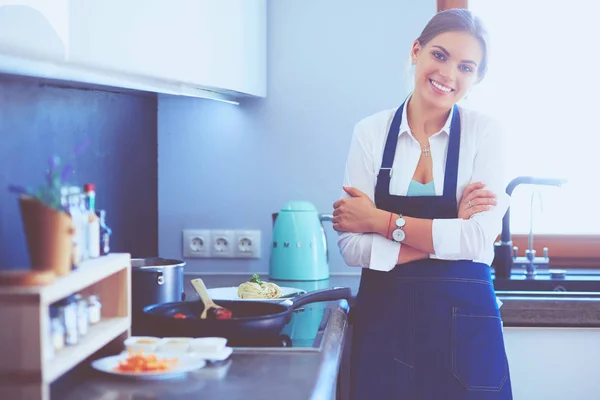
x=196, y=243
x=247, y=244
x=222, y=244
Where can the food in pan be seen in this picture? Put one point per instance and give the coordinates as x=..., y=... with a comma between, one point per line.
x=139, y=362
x=257, y=289
x=219, y=313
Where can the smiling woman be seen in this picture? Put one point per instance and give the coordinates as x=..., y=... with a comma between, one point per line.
x=423, y=202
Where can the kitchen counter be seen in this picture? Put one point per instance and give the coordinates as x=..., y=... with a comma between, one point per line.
x=307, y=371
x=250, y=373
x=519, y=309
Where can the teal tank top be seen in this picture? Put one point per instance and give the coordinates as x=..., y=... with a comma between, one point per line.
x=421, y=189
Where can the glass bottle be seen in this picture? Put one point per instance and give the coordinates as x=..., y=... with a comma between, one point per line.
x=105, y=233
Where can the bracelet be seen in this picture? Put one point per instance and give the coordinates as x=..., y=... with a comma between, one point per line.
x=398, y=235
x=387, y=232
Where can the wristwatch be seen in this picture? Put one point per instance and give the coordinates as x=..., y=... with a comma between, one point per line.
x=398, y=234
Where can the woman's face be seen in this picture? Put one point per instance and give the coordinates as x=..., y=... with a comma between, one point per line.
x=446, y=67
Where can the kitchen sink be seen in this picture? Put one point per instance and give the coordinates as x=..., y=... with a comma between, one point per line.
x=576, y=280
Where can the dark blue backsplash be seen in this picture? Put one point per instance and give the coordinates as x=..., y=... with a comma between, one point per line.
x=38, y=120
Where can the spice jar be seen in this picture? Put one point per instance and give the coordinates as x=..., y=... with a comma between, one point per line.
x=69, y=307
x=82, y=315
x=94, y=309
x=57, y=327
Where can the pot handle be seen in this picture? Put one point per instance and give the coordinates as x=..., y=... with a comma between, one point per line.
x=336, y=293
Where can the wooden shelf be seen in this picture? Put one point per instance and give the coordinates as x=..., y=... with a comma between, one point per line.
x=97, y=337
x=26, y=370
x=88, y=273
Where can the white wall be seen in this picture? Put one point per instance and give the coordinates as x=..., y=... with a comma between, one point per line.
x=330, y=63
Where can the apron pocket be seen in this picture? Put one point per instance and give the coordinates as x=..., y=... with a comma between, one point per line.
x=478, y=356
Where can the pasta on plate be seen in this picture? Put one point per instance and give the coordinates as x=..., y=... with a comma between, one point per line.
x=257, y=289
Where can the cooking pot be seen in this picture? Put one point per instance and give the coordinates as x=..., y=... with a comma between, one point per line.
x=154, y=281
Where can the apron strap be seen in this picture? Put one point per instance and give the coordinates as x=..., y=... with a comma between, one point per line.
x=382, y=186
x=451, y=174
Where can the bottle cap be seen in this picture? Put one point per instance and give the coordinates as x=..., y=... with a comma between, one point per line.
x=89, y=187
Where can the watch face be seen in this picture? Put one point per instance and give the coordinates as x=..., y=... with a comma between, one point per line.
x=398, y=235
x=400, y=222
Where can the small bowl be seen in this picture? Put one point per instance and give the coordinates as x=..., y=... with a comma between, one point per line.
x=147, y=344
x=174, y=345
x=209, y=344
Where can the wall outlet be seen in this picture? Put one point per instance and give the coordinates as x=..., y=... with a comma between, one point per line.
x=222, y=244
x=247, y=244
x=196, y=243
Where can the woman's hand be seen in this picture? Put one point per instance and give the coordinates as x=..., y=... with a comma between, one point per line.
x=475, y=199
x=354, y=214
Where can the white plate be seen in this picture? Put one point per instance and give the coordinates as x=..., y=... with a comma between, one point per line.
x=186, y=363
x=230, y=293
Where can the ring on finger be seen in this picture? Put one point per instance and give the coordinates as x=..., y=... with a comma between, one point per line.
x=470, y=204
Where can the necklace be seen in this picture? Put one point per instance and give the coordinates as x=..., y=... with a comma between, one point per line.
x=424, y=149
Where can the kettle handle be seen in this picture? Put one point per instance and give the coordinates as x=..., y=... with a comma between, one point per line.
x=326, y=217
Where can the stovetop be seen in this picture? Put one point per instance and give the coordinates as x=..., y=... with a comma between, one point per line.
x=305, y=329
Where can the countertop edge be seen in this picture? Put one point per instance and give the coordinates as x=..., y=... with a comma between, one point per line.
x=332, y=348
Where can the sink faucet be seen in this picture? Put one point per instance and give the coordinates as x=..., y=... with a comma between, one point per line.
x=505, y=255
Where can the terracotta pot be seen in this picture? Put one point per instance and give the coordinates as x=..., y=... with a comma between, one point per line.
x=49, y=235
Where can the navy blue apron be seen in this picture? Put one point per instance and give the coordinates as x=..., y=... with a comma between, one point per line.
x=429, y=329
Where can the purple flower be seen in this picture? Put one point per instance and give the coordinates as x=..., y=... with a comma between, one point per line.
x=80, y=147
x=66, y=173
x=18, y=189
x=53, y=162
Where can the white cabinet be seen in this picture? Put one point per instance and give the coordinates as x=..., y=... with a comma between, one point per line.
x=211, y=44
x=35, y=29
x=175, y=45
x=554, y=363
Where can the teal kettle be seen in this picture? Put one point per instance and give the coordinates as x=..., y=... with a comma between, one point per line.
x=299, y=250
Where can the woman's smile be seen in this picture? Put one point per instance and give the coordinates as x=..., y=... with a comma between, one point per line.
x=439, y=88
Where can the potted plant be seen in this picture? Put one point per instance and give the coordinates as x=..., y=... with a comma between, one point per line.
x=47, y=224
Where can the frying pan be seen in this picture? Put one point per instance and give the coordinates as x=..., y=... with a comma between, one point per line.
x=250, y=319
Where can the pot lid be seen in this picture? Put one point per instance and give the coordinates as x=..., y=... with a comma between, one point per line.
x=155, y=262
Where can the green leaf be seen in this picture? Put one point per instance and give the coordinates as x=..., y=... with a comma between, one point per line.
x=256, y=279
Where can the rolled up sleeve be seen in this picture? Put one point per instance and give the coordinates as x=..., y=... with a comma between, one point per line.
x=366, y=250
x=472, y=239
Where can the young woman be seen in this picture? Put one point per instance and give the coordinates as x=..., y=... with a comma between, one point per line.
x=420, y=215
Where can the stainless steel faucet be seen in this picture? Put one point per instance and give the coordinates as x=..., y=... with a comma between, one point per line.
x=531, y=262
x=506, y=256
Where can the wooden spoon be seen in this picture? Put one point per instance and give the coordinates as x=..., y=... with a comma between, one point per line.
x=216, y=310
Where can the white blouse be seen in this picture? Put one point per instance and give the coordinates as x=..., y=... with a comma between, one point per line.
x=482, y=159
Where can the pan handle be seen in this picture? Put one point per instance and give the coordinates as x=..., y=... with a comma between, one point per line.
x=332, y=294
